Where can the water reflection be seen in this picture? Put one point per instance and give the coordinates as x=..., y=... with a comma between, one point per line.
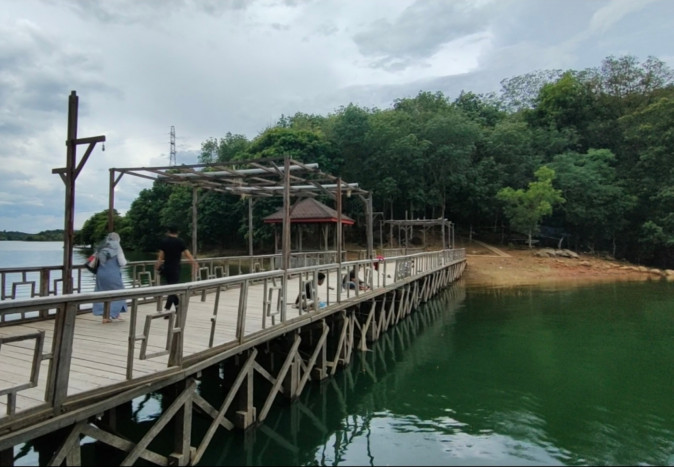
x=569, y=377
x=538, y=377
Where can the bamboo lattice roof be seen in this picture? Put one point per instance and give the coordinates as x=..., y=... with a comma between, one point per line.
x=257, y=177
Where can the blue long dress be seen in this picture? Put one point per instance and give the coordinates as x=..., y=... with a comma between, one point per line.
x=109, y=277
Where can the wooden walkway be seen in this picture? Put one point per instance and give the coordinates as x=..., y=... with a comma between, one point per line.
x=75, y=371
x=101, y=351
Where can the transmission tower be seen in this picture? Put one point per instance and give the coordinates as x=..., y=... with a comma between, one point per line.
x=172, y=160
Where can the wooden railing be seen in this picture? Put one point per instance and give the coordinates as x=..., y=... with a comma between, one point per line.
x=44, y=281
x=270, y=311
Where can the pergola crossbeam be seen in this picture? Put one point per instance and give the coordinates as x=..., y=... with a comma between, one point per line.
x=270, y=177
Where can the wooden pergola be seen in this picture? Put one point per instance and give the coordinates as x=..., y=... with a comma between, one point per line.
x=249, y=179
x=253, y=179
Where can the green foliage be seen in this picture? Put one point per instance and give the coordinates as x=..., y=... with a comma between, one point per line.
x=348, y=130
x=566, y=103
x=604, y=132
x=526, y=209
x=44, y=236
x=145, y=217
x=95, y=229
x=520, y=92
x=596, y=204
x=487, y=110
x=230, y=148
x=221, y=218
x=301, y=145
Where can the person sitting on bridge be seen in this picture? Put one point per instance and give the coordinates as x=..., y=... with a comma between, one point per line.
x=307, y=295
x=351, y=281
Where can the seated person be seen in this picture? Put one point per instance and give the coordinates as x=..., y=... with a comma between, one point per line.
x=308, y=292
x=350, y=281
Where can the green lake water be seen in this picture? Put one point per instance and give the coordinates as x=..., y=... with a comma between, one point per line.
x=526, y=376
x=523, y=376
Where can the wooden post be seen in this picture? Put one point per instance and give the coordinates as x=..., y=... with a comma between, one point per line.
x=250, y=226
x=62, y=346
x=44, y=292
x=444, y=243
x=423, y=233
x=195, y=198
x=285, y=254
x=407, y=240
x=339, y=237
x=69, y=174
x=182, y=427
x=176, y=355
x=247, y=413
x=111, y=201
x=368, y=214
x=64, y=327
x=68, y=233
x=390, y=234
x=451, y=229
x=286, y=214
x=339, y=221
x=381, y=233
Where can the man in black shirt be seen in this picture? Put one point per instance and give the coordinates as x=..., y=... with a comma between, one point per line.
x=171, y=250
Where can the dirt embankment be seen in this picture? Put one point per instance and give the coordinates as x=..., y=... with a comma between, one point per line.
x=502, y=267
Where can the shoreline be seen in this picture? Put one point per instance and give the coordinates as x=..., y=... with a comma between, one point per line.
x=489, y=266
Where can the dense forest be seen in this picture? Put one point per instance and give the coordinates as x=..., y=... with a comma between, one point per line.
x=44, y=236
x=576, y=159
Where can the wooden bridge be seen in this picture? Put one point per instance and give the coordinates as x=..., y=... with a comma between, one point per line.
x=63, y=372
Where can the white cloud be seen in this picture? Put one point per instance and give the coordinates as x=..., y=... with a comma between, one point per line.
x=611, y=13
x=209, y=67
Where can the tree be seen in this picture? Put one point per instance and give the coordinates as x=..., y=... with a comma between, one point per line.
x=144, y=217
x=511, y=145
x=450, y=140
x=624, y=77
x=231, y=147
x=525, y=209
x=520, y=92
x=648, y=168
x=347, y=131
x=95, y=229
x=487, y=110
x=566, y=103
x=302, y=145
x=597, y=206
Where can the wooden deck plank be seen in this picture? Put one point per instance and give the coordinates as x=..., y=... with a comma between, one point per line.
x=99, y=357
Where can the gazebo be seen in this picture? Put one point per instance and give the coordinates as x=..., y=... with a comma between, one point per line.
x=311, y=212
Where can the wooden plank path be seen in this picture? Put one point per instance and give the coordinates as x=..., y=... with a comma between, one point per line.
x=101, y=351
x=73, y=371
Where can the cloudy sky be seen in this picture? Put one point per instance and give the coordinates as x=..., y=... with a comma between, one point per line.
x=208, y=67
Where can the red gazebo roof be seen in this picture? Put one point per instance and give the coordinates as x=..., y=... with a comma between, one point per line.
x=308, y=211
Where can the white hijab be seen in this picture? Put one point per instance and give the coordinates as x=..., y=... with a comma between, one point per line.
x=112, y=248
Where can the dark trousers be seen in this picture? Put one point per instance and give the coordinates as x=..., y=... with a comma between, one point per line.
x=172, y=277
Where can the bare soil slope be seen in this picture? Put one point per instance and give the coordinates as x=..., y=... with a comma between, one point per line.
x=503, y=267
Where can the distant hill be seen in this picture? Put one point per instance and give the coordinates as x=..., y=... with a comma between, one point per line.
x=44, y=236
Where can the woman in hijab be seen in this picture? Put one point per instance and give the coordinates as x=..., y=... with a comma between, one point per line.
x=109, y=276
